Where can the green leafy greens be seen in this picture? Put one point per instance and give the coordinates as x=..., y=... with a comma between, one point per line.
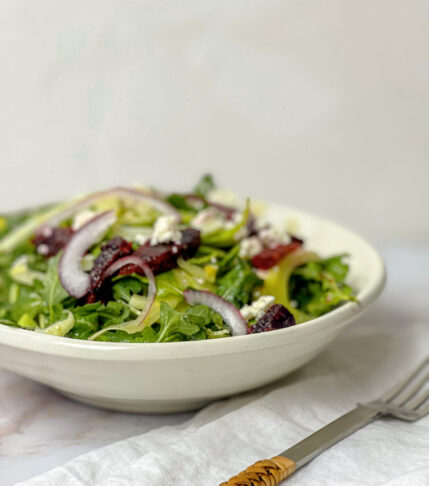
x=33, y=298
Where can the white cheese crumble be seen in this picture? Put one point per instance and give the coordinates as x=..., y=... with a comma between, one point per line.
x=211, y=219
x=257, y=308
x=249, y=247
x=141, y=238
x=225, y=197
x=165, y=231
x=274, y=236
x=208, y=220
x=82, y=217
x=42, y=249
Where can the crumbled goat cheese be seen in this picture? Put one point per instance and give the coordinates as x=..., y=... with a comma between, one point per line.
x=257, y=308
x=225, y=197
x=274, y=236
x=165, y=231
x=141, y=238
x=249, y=247
x=261, y=224
x=208, y=220
x=43, y=249
x=81, y=218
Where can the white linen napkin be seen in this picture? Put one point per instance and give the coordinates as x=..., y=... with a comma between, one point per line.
x=229, y=435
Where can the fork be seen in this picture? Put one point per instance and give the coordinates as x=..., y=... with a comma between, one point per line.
x=406, y=401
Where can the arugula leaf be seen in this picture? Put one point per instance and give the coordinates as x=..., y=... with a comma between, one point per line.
x=180, y=202
x=125, y=288
x=199, y=315
x=198, y=322
x=84, y=326
x=171, y=323
x=205, y=318
x=237, y=285
x=336, y=267
x=7, y=322
x=147, y=335
x=26, y=301
x=49, y=288
x=229, y=259
x=92, y=317
x=318, y=287
x=204, y=186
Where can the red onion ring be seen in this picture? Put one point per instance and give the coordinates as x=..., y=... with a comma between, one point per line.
x=230, y=314
x=74, y=280
x=123, y=192
x=151, y=293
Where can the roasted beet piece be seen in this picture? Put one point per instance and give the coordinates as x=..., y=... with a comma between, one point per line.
x=49, y=241
x=276, y=317
x=269, y=257
x=163, y=257
x=191, y=240
x=115, y=248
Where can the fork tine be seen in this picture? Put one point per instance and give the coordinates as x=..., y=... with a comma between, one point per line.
x=421, y=412
x=403, y=383
x=409, y=391
x=418, y=400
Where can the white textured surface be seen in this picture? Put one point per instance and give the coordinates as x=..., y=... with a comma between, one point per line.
x=319, y=105
x=40, y=430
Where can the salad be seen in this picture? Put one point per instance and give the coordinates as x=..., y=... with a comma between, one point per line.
x=134, y=265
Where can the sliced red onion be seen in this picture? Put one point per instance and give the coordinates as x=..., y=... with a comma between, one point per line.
x=123, y=192
x=151, y=293
x=230, y=314
x=132, y=326
x=74, y=280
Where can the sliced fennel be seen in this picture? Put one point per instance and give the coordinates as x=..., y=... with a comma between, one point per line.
x=59, y=328
x=276, y=282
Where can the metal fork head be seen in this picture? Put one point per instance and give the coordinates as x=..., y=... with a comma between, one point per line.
x=409, y=399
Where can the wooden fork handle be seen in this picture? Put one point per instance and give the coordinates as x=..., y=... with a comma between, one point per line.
x=268, y=472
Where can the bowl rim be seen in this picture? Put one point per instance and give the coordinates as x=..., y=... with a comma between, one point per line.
x=74, y=348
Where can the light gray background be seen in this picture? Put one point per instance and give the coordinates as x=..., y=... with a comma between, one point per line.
x=320, y=105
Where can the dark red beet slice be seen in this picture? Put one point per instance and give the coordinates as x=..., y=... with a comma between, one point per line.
x=269, y=257
x=276, y=317
x=49, y=241
x=115, y=248
x=163, y=257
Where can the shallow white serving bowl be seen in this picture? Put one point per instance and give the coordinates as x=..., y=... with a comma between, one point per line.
x=171, y=377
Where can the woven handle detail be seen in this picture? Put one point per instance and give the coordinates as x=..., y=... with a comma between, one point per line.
x=268, y=472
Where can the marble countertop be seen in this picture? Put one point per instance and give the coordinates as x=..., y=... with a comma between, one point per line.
x=40, y=429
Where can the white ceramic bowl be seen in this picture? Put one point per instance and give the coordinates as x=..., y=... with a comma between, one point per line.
x=171, y=377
